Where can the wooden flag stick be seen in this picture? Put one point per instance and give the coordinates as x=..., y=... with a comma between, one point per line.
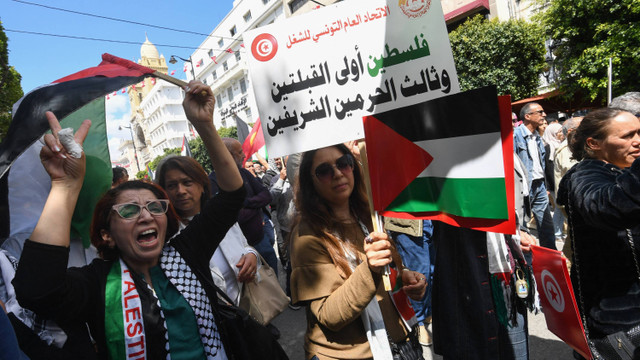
x=375, y=218
x=173, y=80
x=170, y=79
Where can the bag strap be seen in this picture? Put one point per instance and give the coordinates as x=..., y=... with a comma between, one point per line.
x=576, y=263
x=633, y=251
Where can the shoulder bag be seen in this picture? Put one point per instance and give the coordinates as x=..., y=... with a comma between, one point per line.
x=243, y=337
x=263, y=300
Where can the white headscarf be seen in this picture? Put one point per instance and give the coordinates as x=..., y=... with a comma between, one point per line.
x=550, y=137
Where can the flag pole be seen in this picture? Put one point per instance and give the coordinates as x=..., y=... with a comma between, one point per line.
x=609, y=80
x=170, y=79
x=375, y=218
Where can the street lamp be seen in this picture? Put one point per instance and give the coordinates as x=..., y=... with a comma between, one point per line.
x=135, y=151
x=173, y=60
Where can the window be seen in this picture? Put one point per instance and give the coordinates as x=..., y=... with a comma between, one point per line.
x=219, y=101
x=238, y=56
x=210, y=53
x=248, y=113
x=233, y=30
x=230, y=93
x=221, y=43
x=225, y=66
x=296, y=4
x=247, y=16
x=215, y=75
x=243, y=86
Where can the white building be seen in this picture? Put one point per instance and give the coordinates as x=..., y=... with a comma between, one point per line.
x=220, y=60
x=163, y=119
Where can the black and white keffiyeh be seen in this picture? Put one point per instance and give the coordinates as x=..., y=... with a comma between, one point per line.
x=185, y=281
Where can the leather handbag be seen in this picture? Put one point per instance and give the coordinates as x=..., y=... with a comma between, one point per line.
x=245, y=337
x=408, y=349
x=263, y=299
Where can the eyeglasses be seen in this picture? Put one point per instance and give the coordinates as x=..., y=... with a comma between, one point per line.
x=324, y=171
x=539, y=112
x=132, y=210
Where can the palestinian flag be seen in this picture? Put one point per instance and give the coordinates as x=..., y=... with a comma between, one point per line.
x=72, y=99
x=448, y=159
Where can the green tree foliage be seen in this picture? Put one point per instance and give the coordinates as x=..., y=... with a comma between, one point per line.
x=508, y=54
x=153, y=165
x=231, y=132
x=141, y=174
x=198, y=151
x=589, y=32
x=10, y=88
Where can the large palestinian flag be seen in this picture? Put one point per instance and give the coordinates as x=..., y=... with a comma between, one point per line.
x=72, y=99
x=448, y=159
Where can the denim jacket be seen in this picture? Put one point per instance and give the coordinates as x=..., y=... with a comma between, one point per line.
x=520, y=147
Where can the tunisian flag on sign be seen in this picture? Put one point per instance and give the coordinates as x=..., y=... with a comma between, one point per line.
x=254, y=141
x=447, y=159
x=557, y=298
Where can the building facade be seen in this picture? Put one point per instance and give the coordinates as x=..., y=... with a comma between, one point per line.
x=163, y=118
x=221, y=60
x=157, y=119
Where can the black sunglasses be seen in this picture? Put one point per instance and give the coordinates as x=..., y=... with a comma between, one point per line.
x=539, y=112
x=132, y=210
x=324, y=171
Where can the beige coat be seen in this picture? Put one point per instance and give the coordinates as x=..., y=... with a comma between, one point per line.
x=333, y=301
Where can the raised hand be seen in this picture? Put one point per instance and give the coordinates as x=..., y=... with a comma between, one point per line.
x=59, y=164
x=199, y=103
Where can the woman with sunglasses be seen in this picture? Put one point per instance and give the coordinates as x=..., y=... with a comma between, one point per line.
x=337, y=262
x=187, y=184
x=147, y=297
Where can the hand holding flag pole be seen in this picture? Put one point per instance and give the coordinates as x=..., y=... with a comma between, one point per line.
x=375, y=218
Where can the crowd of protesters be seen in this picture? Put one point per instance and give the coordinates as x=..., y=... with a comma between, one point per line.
x=577, y=184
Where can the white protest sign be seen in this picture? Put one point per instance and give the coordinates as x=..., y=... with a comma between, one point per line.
x=315, y=75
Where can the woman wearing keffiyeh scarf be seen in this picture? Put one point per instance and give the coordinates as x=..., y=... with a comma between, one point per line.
x=145, y=298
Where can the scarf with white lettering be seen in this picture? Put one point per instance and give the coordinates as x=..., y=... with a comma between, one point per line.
x=124, y=325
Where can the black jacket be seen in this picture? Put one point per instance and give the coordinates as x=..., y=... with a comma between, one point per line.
x=77, y=295
x=603, y=201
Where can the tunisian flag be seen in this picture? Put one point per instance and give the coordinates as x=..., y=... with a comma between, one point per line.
x=557, y=298
x=254, y=141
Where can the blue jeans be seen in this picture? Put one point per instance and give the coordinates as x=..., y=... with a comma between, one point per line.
x=558, y=223
x=519, y=339
x=418, y=254
x=542, y=214
x=265, y=246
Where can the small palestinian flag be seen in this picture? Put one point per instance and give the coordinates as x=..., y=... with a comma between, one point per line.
x=448, y=159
